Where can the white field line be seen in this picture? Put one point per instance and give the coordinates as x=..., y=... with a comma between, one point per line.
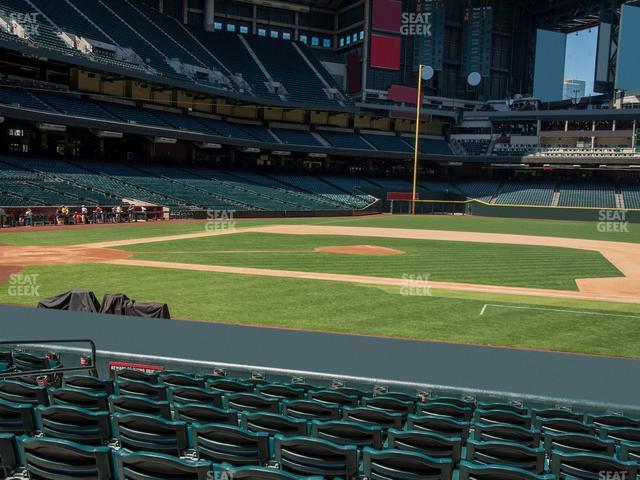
x=558, y=310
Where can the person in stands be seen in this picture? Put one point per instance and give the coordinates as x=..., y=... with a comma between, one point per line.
x=65, y=215
x=59, y=215
x=28, y=218
x=84, y=212
x=98, y=215
x=131, y=210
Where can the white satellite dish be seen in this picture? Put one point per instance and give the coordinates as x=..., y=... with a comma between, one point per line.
x=474, y=79
x=427, y=72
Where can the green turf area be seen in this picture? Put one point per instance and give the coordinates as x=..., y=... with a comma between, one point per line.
x=491, y=264
x=557, y=228
x=370, y=310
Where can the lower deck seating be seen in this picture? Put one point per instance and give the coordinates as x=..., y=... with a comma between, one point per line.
x=526, y=193
x=596, y=195
x=278, y=430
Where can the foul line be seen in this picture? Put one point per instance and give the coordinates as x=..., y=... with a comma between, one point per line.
x=559, y=310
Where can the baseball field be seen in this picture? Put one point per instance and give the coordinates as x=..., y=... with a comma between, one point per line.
x=539, y=284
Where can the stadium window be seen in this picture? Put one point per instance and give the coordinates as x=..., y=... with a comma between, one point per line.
x=231, y=27
x=348, y=40
x=217, y=25
x=274, y=34
x=303, y=39
x=355, y=37
x=361, y=34
x=244, y=29
x=286, y=35
x=326, y=43
x=315, y=41
x=262, y=32
x=342, y=41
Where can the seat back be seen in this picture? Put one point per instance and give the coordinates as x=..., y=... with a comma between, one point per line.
x=404, y=465
x=310, y=410
x=590, y=466
x=17, y=418
x=427, y=443
x=73, y=397
x=75, y=424
x=373, y=417
x=200, y=413
x=250, y=402
x=226, y=443
x=449, y=410
x=133, y=404
x=141, y=389
x=157, y=466
x=564, y=425
x=440, y=425
x=151, y=434
x=20, y=392
x=181, y=380
x=506, y=433
x=616, y=421
x=86, y=382
x=261, y=473
x=578, y=442
x=314, y=456
x=25, y=362
x=334, y=397
x=474, y=471
x=227, y=385
x=8, y=454
x=506, y=453
x=557, y=413
x=390, y=404
x=508, y=407
x=348, y=433
x=273, y=423
x=502, y=416
x=283, y=392
x=622, y=434
x=52, y=458
x=127, y=374
x=195, y=395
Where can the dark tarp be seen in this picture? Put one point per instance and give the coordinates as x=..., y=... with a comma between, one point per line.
x=140, y=309
x=114, y=303
x=76, y=300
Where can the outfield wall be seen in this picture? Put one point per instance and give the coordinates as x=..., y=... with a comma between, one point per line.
x=608, y=215
x=611, y=216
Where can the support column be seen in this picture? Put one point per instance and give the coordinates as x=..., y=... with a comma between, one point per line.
x=209, y=10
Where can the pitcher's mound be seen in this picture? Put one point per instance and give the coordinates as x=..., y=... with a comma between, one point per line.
x=359, y=250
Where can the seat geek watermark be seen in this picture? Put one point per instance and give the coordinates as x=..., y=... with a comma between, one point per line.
x=415, y=285
x=27, y=22
x=416, y=24
x=23, y=285
x=612, y=221
x=612, y=475
x=220, y=220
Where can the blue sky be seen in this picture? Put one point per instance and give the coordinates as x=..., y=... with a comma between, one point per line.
x=581, y=57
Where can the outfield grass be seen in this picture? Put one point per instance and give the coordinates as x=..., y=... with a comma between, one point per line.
x=553, y=228
x=467, y=262
x=362, y=309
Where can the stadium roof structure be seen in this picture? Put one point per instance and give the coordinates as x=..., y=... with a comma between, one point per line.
x=571, y=15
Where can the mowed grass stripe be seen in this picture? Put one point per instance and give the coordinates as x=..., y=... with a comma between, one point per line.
x=350, y=308
x=483, y=263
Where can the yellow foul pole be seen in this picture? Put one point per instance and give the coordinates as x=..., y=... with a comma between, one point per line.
x=417, y=143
